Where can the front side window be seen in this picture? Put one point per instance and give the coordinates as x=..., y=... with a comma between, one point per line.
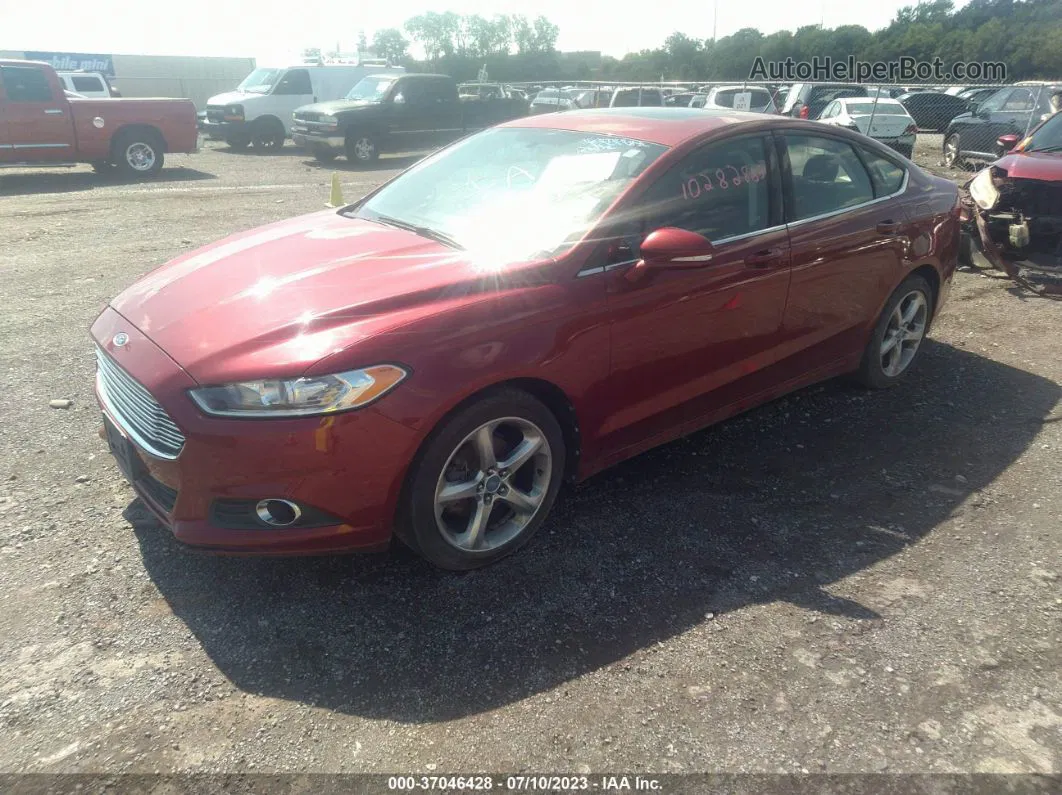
x=827, y=176
x=995, y=102
x=26, y=84
x=512, y=194
x=720, y=191
x=295, y=82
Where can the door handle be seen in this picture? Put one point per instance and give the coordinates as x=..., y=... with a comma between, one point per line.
x=54, y=112
x=765, y=258
x=888, y=227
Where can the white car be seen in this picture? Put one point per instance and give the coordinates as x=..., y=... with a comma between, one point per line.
x=259, y=111
x=751, y=98
x=884, y=120
x=88, y=84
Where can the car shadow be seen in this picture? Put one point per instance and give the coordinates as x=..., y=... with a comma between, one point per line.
x=774, y=505
x=69, y=181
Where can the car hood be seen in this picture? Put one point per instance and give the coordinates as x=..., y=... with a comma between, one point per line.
x=273, y=301
x=1045, y=166
x=337, y=106
x=234, y=97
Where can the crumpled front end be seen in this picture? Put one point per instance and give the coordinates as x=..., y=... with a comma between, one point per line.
x=1016, y=224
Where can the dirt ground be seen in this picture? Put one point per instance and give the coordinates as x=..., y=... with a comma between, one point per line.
x=841, y=581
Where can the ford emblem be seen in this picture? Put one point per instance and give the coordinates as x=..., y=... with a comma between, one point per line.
x=120, y=339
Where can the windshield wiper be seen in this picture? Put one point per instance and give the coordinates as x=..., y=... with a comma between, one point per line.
x=1055, y=148
x=423, y=231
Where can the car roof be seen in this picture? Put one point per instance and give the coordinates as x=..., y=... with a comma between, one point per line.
x=664, y=126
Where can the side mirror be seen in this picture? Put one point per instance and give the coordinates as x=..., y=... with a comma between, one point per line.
x=1008, y=141
x=670, y=248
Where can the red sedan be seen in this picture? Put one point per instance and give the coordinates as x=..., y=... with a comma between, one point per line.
x=530, y=305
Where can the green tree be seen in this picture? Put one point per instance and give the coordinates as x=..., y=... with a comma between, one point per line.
x=389, y=43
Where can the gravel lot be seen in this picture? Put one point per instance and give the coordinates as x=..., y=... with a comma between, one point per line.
x=840, y=581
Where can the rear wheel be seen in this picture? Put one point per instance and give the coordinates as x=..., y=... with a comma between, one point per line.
x=138, y=153
x=267, y=135
x=323, y=155
x=898, y=335
x=484, y=483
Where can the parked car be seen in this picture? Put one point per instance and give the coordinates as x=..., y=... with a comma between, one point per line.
x=807, y=100
x=42, y=126
x=680, y=99
x=591, y=97
x=636, y=97
x=259, y=111
x=698, y=100
x=551, y=100
x=752, y=98
x=501, y=100
x=933, y=111
x=93, y=85
x=395, y=113
x=535, y=303
x=1014, y=209
x=1012, y=110
x=884, y=120
x=977, y=95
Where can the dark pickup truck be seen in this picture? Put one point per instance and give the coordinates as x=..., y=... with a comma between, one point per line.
x=396, y=113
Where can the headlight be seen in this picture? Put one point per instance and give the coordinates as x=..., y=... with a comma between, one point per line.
x=235, y=110
x=328, y=120
x=982, y=191
x=299, y=397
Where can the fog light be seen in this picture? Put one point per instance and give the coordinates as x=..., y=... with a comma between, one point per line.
x=277, y=512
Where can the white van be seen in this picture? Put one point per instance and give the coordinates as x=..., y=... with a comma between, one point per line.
x=87, y=84
x=259, y=111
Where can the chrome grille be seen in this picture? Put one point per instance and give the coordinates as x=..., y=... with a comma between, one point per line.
x=135, y=410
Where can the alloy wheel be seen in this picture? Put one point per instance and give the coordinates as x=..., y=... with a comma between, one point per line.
x=904, y=333
x=140, y=156
x=493, y=484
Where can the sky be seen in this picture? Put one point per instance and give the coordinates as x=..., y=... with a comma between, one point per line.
x=266, y=29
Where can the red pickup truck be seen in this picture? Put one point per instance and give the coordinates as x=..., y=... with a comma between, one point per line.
x=41, y=126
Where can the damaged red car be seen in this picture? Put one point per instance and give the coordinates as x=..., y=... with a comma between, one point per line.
x=1013, y=210
x=528, y=306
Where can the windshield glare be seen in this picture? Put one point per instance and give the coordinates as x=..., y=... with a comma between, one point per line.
x=371, y=88
x=1049, y=136
x=261, y=81
x=514, y=194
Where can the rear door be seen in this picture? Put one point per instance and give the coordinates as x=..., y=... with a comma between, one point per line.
x=36, y=116
x=848, y=234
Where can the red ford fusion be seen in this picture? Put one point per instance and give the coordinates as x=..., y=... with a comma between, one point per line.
x=527, y=306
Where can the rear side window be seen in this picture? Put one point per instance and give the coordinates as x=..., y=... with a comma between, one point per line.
x=296, y=81
x=26, y=84
x=87, y=84
x=719, y=191
x=827, y=176
x=886, y=176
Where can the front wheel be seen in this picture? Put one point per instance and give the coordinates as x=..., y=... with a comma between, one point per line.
x=953, y=152
x=361, y=149
x=323, y=155
x=138, y=154
x=484, y=482
x=267, y=135
x=898, y=335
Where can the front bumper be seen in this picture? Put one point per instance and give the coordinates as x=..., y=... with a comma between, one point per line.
x=221, y=130
x=308, y=139
x=349, y=466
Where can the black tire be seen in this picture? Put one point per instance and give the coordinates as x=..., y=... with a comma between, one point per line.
x=872, y=370
x=138, y=154
x=416, y=523
x=267, y=135
x=953, y=157
x=966, y=250
x=323, y=155
x=361, y=148
x=237, y=141
x=104, y=168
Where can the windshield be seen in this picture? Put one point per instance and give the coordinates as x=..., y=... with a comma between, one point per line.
x=1047, y=138
x=261, y=81
x=514, y=194
x=371, y=88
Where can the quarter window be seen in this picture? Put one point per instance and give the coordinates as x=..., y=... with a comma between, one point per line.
x=719, y=191
x=827, y=176
x=886, y=176
x=25, y=84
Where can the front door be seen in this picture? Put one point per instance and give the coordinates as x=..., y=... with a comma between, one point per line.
x=34, y=117
x=685, y=342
